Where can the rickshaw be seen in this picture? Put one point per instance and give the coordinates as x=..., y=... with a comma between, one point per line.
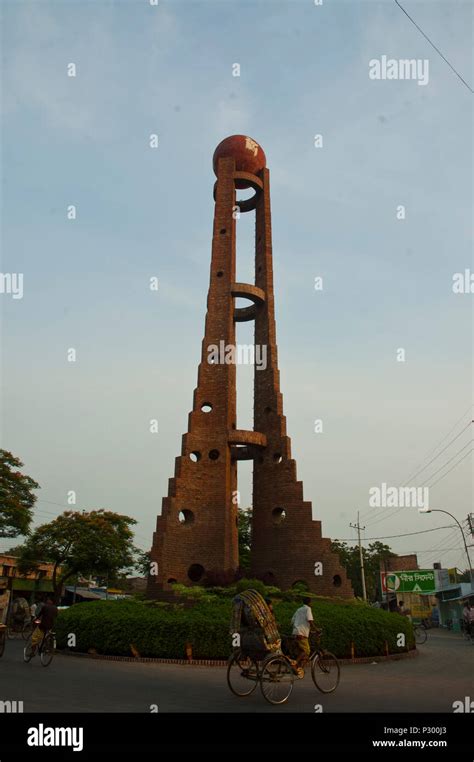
x=260, y=657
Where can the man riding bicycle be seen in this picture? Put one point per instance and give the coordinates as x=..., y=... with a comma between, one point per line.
x=44, y=623
x=303, y=623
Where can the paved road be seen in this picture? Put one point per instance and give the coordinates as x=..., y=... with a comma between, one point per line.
x=441, y=674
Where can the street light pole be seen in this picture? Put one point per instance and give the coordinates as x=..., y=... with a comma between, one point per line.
x=439, y=510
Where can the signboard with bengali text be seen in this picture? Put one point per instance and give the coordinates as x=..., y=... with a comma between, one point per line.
x=416, y=581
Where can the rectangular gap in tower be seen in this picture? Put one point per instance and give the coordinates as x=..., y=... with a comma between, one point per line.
x=245, y=355
x=245, y=245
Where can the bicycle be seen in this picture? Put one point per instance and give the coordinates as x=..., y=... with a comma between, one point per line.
x=421, y=635
x=325, y=667
x=45, y=649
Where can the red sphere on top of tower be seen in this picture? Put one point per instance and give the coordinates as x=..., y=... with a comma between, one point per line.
x=248, y=154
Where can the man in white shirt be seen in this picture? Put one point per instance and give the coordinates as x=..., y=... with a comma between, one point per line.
x=303, y=622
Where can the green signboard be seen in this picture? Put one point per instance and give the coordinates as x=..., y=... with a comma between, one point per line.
x=416, y=581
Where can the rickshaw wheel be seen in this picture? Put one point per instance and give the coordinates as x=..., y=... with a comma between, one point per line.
x=242, y=674
x=276, y=679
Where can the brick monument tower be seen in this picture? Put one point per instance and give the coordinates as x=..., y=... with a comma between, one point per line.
x=196, y=533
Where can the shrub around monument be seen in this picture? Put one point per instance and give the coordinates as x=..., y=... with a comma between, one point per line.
x=251, y=584
x=113, y=627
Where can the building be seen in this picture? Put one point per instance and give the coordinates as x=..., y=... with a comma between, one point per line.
x=443, y=600
x=450, y=597
x=26, y=585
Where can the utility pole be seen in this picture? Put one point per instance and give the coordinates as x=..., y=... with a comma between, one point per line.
x=358, y=527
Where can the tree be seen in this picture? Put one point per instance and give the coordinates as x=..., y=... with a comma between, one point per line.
x=245, y=538
x=375, y=554
x=83, y=543
x=142, y=562
x=16, y=497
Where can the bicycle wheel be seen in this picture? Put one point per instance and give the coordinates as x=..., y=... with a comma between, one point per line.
x=27, y=629
x=325, y=671
x=276, y=679
x=242, y=675
x=28, y=651
x=3, y=639
x=47, y=650
x=420, y=635
x=10, y=631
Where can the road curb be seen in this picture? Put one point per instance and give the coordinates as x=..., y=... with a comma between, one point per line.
x=223, y=663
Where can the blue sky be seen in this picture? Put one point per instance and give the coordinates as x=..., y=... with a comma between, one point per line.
x=141, y=212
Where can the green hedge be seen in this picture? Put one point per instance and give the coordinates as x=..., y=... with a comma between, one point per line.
x=163, y=630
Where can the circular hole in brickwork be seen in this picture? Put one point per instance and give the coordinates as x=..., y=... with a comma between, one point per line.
x=279, y=515
x=172, y=581
x=195, y=456
x=195, y=572
x=220, y=274
x=336, y=580
x=259, y=269
x=223, y=231
x=213, y=454
x=278, y=457
x=246, y=193
x=268, y=410
x=206, y=407
x=186, y=517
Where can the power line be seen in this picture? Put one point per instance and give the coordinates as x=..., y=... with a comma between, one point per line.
x=451, y=429
x=452, y=467
x=446, y=464
x=437, y=456
x=440, y=549
x=397, y=510
x=392, y=536
x=418, y=469
x=430, y=550
x=434, y=46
